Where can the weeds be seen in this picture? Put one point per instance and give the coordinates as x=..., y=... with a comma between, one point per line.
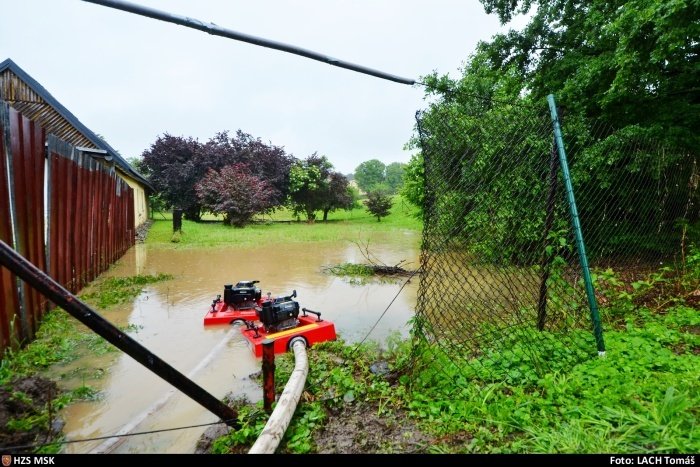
x=350, y=269
x=60, y=339
x=115, y=290
x=643, y=397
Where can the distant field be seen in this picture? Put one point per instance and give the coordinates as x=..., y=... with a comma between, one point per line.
x=282, y=227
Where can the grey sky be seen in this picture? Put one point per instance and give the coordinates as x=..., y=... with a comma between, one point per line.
x=132, y=78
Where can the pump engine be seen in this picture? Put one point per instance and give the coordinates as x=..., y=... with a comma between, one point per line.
x=279, y=313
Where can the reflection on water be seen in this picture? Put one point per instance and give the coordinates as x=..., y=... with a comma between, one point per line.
x=169, y=315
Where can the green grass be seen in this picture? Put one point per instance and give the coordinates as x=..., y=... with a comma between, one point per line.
x=114, y=290
x=281, y=227
x=62, y=339
x=642, y=397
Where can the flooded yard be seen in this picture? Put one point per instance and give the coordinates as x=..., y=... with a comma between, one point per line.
x=167, y=318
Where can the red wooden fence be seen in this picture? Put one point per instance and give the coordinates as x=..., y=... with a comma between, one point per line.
x=90, y=215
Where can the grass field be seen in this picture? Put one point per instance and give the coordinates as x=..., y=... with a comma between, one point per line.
x=282, y=227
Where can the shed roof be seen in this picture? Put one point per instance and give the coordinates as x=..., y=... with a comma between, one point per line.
x=26, y=95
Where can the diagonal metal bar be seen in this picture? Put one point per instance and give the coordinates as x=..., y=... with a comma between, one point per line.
x=86, y=315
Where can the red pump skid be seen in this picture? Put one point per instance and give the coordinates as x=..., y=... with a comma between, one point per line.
x=225, y=314
x=310, y=328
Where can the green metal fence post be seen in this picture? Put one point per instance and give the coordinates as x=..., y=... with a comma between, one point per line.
x=576, y=224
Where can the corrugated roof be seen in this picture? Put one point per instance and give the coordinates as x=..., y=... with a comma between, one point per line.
x=29, y=97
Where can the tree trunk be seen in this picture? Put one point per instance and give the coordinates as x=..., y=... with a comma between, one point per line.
x=325, y=214
x=310, y=217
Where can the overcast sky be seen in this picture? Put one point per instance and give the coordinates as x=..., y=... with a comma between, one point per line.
x=132, y=78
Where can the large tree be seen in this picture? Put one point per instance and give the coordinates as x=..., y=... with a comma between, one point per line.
x=394, y=176
x=338, y=196
x=174, y=167
x=628, y=62
x=370, y=173
x=265, y=161
x=175, y=164
x=308, y=185
x=234, y=192
x=625, y=75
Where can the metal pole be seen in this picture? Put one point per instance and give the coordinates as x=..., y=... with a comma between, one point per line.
x=216, y=30
x=546, y=262
x=576, y=223
x=268, y=370
x=83, y=313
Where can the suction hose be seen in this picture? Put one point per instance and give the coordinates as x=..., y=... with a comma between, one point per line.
x=272, y=434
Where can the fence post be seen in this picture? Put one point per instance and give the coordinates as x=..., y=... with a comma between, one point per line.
x=268, y=370
x=546, y=262
x=576, y=224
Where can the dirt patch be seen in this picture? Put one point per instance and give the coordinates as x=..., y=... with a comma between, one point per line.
x=24, y=415
x=211, y=434
x=358, y=429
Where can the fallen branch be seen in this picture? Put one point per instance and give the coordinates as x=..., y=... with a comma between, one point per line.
x=352, y=269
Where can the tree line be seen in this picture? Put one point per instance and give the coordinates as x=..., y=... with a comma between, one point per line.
x=625, y=74
x=239, y=176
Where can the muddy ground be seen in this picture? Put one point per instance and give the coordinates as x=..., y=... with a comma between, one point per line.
x=359, y=429
x=354, y=429
x=25, y=417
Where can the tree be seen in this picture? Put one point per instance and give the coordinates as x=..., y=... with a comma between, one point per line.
x=413, y=188
x=627, y=62
x=309, y=185
x=394, y=176
x=370, y=173
x=338, y=196
x=234, y=192
x=174, y=168
x=624, y=73
x=265, y=161
x=137, y=164
x=175, y=164
x=378, y=204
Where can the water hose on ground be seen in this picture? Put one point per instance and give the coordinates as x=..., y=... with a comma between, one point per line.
x=272, y=434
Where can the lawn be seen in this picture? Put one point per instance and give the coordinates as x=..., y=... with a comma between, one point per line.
x=282, y=227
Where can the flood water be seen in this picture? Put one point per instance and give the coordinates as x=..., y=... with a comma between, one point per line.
x=167, y=318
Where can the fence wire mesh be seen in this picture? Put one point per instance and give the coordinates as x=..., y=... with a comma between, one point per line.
x=502, y=286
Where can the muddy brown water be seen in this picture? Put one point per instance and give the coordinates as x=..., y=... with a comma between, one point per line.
x=167, y=318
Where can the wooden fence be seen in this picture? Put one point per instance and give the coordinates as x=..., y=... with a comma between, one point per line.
x=64, y=211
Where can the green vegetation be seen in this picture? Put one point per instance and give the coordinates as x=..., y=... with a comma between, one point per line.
x=351, y=269
x=374, y=175
x=114, y=290
x=378, y=204
x=360, y=274
x=60, y=339
x=314, y=186
x=643, y=397
x=282, y=227
x=622, y=74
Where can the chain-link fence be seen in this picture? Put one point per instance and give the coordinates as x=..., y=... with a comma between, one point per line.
x=502, y=286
